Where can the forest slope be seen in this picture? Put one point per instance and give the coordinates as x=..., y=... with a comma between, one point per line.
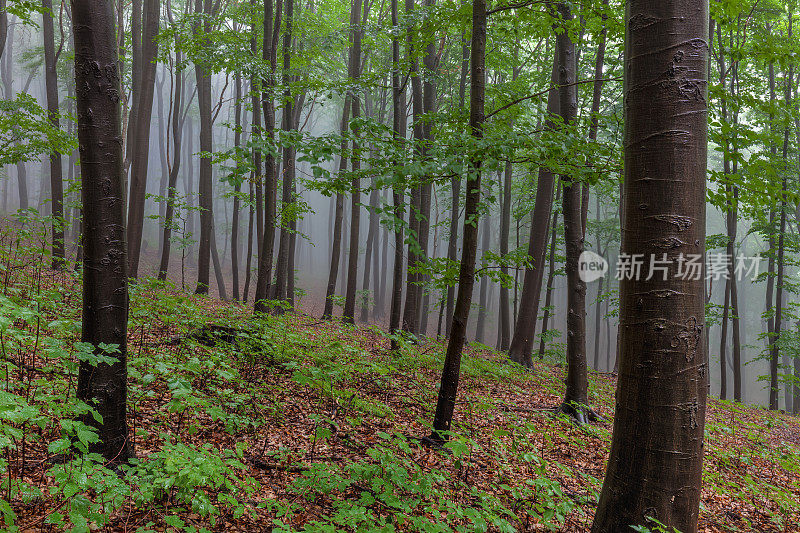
x=297, y=424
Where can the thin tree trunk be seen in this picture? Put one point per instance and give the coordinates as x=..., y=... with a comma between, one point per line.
x=455, y=186
x=372, y=249
x=248, y=263
x=56, y=172
x=486, y=243
x=3, y=27
x=141, y=150
x=336, y=247
x=105, y=290
x=770, y=305
x=551, y=268
x=528, y=313
x=446, y=402
x=177, y=141
x=205, y=200
x=775, y=339
x=399, y=137
x=656, y=459
x=284, y=248
x=267, y=241
x=237, y=141
x=348, y=313
x=423, y=230
x=411, y=308
x=576, y=397
x=505, y=230
x=723, y=344
x=8, y=88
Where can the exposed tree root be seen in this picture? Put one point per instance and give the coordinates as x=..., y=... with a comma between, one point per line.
x=580, y=414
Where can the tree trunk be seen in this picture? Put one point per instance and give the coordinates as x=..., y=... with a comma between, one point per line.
x=336, y=247
x=551, y=269
x=372, y=248
x=528, y=313
x=399, y=137
x=452, y=363
x=576, y=397
x=248, y=263
x=285, y=272
x=3, y=27
x=770, y=305
x=177, y=141
x=269, y=56
x=141, y=138
x=486, y=243
x=505, y=231
x=723, y=344
x=455, y=186
x=205, y=200
x=56, y=173
x=656, y=459
x=237, y=141
x=7, y=73
x=105, y=290
x=348, y=313
x=413, y=288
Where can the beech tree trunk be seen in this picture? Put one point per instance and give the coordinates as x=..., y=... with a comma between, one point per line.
x=249, y=261
x=269, y=56
x=205, y=200
x=528, y=313
x=413, y=289
x=656, y=460
x=348, y=313
x=551, y=275
x=287, y=198
x=576, y=397
x=8, y=90
x=56, y=173
x=446, y=402
x=3, y=27
x=399, y=137
x=483, y=291
x=338, y=218
x=372, y=248
x=105, y=289
x=237, y=141
x=505, y=231
x=770, y=305
x=455, y=187
x=140, y=149
x=177, y=142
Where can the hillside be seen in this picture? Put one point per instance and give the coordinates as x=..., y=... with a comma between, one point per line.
x=293, y=424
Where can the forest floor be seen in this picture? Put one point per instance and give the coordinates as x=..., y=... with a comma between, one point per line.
x=288, y=423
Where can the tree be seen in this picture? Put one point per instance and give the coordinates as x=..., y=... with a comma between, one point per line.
x=576, y=397
x=140, y=130
x=349, y=311
x=105, y=290
x=269, y=55
x=655, y=466
x=56, y=177
x=446, y=401
x=206, y=200
x=398, y=136
x=178, y=118
x=525, y=326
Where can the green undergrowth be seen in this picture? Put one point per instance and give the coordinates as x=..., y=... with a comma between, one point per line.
x=210, y=385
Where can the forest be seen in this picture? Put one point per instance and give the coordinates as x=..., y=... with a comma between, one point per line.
x=381, y=265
